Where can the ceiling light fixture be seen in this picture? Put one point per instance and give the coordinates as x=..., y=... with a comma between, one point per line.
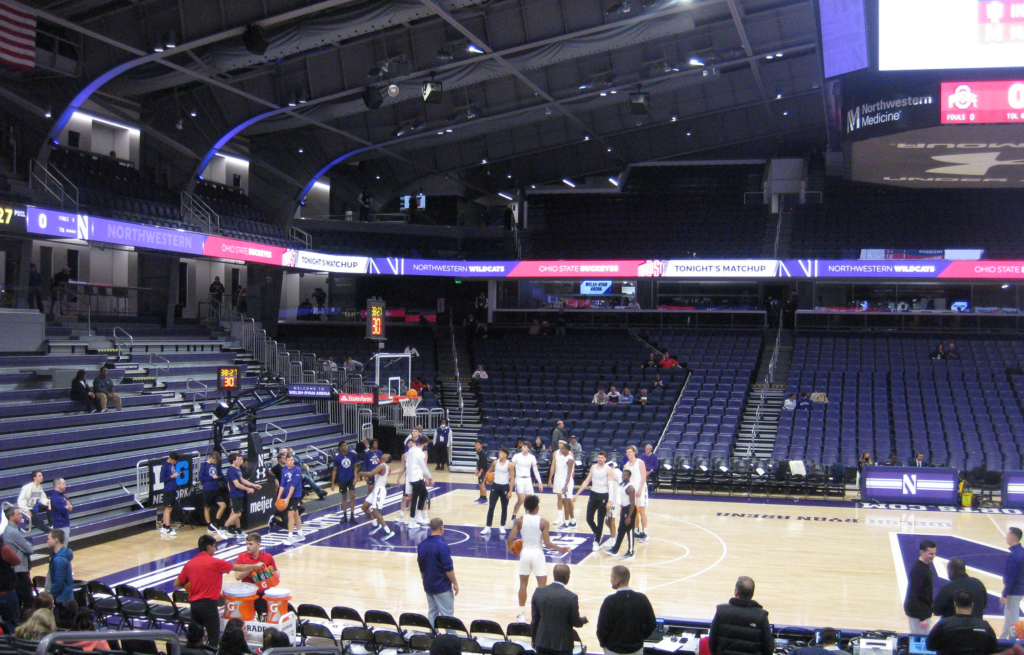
x=696, y=61
x=158, y=46
x=472, y=47
x=613, y=181
x=504, y=195
x=568, y=182
x=673, y=119
x=483, y=161
x=770, y=57
x=48, y=113
x=171, y=42
x=193, y=113
x=301, y=151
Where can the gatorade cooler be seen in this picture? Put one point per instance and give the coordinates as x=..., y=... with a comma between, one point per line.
x=240, y=601
x=277, y=603
x=966, y=498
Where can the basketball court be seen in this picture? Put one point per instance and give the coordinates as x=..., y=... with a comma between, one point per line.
x=815, y=563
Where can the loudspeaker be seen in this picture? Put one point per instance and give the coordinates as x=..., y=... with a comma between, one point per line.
x=432, y=92
x=255, y=39
x=639, y=103
x=372, y=98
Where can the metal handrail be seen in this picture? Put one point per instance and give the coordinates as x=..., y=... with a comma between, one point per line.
x=166, y=368
x=458, y=376
x=196, y=392
x=117, y=343
x=266, y=428
x=769, y=378
x=193, y=207
x=43, y=175
x=170, y=637
x=300, y=235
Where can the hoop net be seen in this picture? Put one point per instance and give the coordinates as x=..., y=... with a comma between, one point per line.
x=409, y=405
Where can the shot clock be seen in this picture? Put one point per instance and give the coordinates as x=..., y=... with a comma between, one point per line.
x=227, y=378
x=375, y=310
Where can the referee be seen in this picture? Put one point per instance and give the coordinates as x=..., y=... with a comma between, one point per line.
x=483, y=464
x=203, y=575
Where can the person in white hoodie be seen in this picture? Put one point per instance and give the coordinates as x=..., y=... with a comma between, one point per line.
x=30, y=500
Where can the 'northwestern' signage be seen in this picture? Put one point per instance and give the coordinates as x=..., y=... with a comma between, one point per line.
x=317, y=391
x=882, y=111
x=145, y=236
x=928, y=486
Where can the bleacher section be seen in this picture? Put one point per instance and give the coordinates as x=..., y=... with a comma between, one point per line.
x=406, y=245
x=229, y=201
x=159, y=377
x=886, y=394
x=612, y=227
x=856, y=216
x=535, y=381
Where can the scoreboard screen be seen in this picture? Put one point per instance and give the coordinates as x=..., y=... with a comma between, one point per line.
x=227, y=378
x=982, y=102
x=12, y=218
x=375, y=311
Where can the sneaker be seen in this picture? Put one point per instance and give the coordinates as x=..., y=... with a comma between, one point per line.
x=597, y=546
x=401, y=516
x=223, y=534
x=513, y=520
x=628, y=556
x=376, y=530
x=609, y=552
x=300, y=537
x=642, y=538
x=574, y=524
x=502, y=531
x=559, y=522
x=388, y=534
x=212, y=529
x=481, y=501
x=521, y=618
x=170, y=532
x=290, y=540
x=353, y=519
x=412, y=524
x=423, y=521
x=486, y=531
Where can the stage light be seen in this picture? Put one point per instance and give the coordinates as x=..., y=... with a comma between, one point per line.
x=221, y=410
x=372, y=98
x=393, y=90
x=432, y=92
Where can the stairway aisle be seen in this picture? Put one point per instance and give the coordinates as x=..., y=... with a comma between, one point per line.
x=465, y=422
x=762, y=443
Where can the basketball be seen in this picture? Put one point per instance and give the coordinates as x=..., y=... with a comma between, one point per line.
x=412, y=393
x=281, y=505
x=489, y=478
x=517, y=546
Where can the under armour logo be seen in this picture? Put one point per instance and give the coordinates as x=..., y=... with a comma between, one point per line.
x=977, y=163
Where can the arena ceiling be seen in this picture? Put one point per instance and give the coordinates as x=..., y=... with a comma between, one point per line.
x=537, y=89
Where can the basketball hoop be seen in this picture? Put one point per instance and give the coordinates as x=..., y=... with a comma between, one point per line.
x=409, y=405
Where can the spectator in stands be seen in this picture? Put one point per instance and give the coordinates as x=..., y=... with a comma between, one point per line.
x=203, y=574
x=35, y=283
x=483, y=330
x=320, y=298
x=557, y=433
x=60, y=509
x=1013, y=581
x=658, y=382
x=919, y=461
x=103, y=387
x=233, y=642
x=539, y=447
x=273, y=638
x=917, y=604
x=61, y=578
x=962, y=633
x=419, y=385
x=939, y=352
x=561, y=322
x=960, y=581
x=626, y=617
x=650, y=362
x=307, y=475
x=892, y=461
x=478, y=375
x=438, y=572
x=217, y=291
x=31, y=500
x=667, y=361
x=9, y=603
x=952, y=352
x=57, y=288
x=470, y=327
x=829, y=644
x=627, y=397
x=411, y=351
x=740, y=627
x=865, y=460
x=364, y=200
x=196, y=640
x=480, y=303
x=545, y=328
x=80, y=392
x=790, y=403
x=634, y=304
x=330, y=364
x=352, y=365
x=614, y=396
x=804, y=402
x=643, y=399
x=534, y=330
x=13, y=537
x=575, y=448
x=84, y=622
x=305, y=312
x=600, y=398
x=40, y=624
x=243, y=301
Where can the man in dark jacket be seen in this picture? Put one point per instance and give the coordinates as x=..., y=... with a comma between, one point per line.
x=555, y=612
x=741, y=627
x=918, y=603
x=960, y=581
x=962, y=634
x=626, y=618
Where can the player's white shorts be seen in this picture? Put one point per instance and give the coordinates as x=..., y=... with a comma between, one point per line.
x=376, y=499
x=408, y=488
x=556, y=488
x=641, y=500
x=524, y=486
x=532, y=562
x=613, y=513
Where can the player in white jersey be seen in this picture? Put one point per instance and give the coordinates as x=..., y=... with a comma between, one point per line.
x=638, y=470
x=560, y=478
x=627, y=496
x=536, y=533
x=614, y=491
x=526, y=466
x=502, y=473
x=597, y=503
x=373, y=504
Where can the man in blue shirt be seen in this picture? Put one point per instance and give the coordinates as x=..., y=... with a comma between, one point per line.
x=169, y=477
x=61, y=577
x=290, y=492
x=238, y=487
x=60, y=509
x=343, y=474
x=210, y=476
x=1013, y=582
x=371, y=460
x=438, y=572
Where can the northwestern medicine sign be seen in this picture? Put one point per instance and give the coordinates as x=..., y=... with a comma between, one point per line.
x=882, y=111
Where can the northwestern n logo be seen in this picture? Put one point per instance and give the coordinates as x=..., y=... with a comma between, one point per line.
x=910, y=483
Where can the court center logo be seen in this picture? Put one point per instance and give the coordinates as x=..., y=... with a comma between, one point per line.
x=975, y=163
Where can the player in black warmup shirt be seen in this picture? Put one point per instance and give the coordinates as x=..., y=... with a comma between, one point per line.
x=483, y=464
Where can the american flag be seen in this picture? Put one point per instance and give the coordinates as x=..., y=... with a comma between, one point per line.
x=17, y=36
